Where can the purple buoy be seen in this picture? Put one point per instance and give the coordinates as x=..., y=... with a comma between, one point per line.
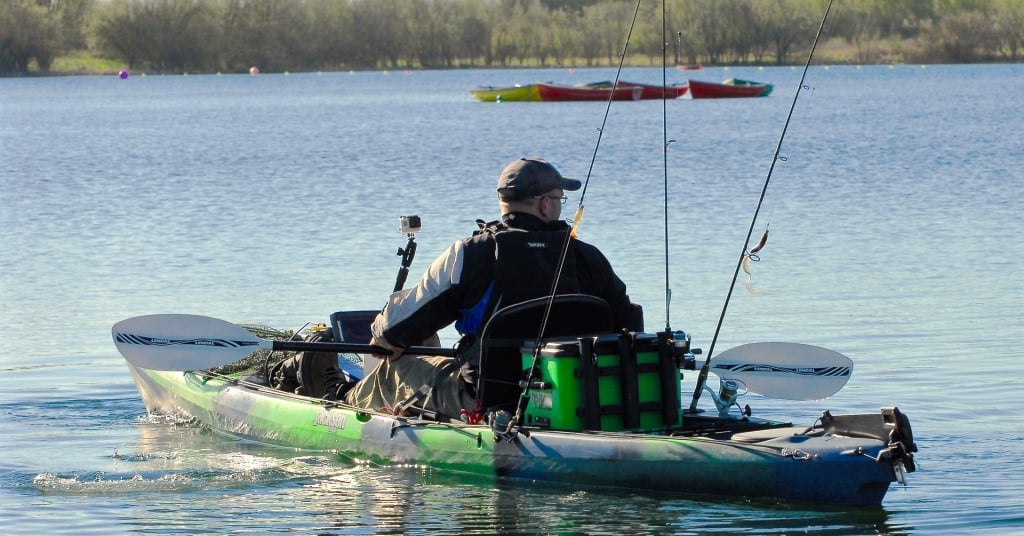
x=123, y=75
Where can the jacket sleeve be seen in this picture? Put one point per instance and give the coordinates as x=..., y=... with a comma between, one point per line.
x=413, y=314
x=597, y=278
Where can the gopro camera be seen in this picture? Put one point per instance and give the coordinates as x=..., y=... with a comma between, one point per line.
x=409, y=225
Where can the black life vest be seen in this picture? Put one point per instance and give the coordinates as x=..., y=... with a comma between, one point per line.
x=525, y=262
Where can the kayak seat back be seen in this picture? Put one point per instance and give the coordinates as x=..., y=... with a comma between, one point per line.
x=504, y=334
x=354, y=327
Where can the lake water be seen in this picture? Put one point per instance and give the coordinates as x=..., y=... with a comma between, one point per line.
x=896, y=238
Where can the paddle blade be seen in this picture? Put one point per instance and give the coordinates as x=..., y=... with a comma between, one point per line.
x=183, y=342
x=785, y=370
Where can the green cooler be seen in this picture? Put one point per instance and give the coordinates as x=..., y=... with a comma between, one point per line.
x=614, y=382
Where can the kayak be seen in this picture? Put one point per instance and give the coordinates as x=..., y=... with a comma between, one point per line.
x=731, y=88
x=516, y=93
x=648, y=91
x=732, y=457
x=640, y=438
x=737, y=82
x=560, y=93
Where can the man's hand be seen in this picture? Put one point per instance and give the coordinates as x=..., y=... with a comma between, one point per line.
x=395, y=354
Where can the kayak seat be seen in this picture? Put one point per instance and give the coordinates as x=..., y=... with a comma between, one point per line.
x=354, y=327
x=512, y=328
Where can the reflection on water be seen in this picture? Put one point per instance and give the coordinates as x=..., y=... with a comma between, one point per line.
x=248, y=487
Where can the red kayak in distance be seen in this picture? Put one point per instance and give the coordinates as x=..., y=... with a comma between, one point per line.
x=556, y=93
x=731, y=88
x=649, y=91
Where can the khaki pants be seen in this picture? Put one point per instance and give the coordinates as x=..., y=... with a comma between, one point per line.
x=394, y=382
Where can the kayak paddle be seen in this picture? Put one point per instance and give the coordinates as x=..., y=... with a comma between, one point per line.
x=786, y=370
x=194, y=342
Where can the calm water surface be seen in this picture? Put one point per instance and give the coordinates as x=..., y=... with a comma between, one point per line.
x=895, y=217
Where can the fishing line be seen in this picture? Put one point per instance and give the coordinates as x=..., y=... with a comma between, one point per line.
x=577, y=218
x=702, y=377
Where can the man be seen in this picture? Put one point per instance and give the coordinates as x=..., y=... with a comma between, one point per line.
x=503, y=263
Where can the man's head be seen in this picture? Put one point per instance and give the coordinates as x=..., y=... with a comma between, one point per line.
x=534, y=186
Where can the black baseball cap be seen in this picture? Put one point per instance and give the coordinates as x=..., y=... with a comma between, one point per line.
x=530, y=176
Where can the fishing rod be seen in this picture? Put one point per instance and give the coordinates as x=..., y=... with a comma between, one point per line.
x=702, y=377
x=664, y=157
x=514, y=422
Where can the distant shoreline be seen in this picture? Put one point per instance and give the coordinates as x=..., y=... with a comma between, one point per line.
x=108, y=71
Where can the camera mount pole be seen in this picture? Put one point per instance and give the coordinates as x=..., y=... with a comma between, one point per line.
x=409, y=225
x=407, y=253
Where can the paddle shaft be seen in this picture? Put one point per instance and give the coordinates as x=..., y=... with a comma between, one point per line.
x=305, y=346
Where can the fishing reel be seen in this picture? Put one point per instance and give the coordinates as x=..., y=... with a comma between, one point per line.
x=728, y=392
x=501, y=425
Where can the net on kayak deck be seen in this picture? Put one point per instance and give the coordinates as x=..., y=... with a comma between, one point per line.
x=256, y=362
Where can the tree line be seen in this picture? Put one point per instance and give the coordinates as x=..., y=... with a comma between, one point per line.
x=304, y=35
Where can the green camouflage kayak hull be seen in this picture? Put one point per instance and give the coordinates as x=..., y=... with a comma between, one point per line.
x=844, y=460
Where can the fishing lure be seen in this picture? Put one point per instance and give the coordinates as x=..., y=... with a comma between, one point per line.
x=751, y=256
x=577, y=218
